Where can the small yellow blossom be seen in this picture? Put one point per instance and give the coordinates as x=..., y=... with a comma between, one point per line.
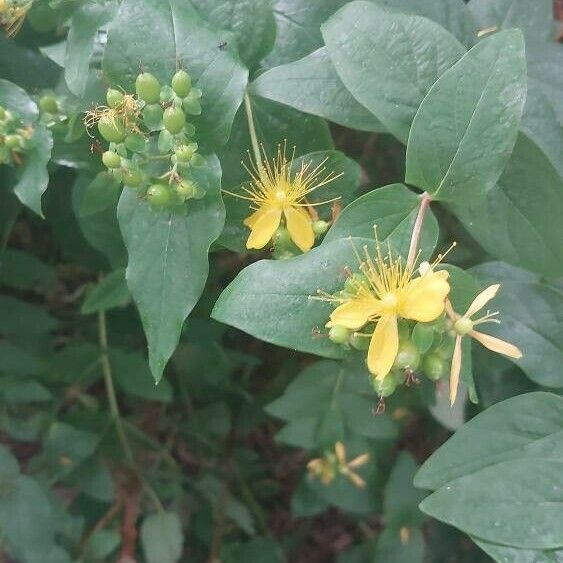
x=326, y=468
x=12, y=14
x=463, y=324
x=276, y=193
x=389, y=291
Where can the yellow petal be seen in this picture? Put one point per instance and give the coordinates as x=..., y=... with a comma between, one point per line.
x=356, y=479
x=300, y=228
x=354, y=314
x=424, y=297
x=250, y=221
x=359, y=461
x=497, y=345
x=384, y=346
x=264, y=228
x=455, y=369
x=482, y=299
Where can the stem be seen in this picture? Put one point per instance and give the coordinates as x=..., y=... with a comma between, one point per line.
x=114, y=408
x=425, y=200
x=252, y=131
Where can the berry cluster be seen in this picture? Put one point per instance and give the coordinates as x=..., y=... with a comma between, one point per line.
x=152, y=148
x=14, y=137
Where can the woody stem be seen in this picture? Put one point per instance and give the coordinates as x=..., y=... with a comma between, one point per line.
x=425, y=200
x=252, y=131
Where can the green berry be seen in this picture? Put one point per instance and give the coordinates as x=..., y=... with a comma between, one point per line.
x=114, y=98
x=282, y=238
x=181, y=83
x=339, y=334
x=386, y=386
x=159, y=195
x=186, y=189
x=359, y=342
x=147, y=88
x=434, y=367
x=463, y=326
x=184, y=153
x=174, y=120
x=320, y=227
x=408, y=356
x=13, y=141
x=2, y=113
x=112, y=128
x=132, y=178
x=111, y=159
x=48, y=104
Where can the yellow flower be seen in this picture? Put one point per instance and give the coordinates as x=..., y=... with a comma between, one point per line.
x=275, y=193
x=389, y=291
x=326, y=468
x=465, y=325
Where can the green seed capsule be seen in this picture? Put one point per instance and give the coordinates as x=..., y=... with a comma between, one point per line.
x=114, y=98
x=386, y=386
x=112, y=129
x=408, y=356
x=111, y=159
x=48, y=104
x=185, y=153
x=320, y=227
x=186, y=189
x=132, y=178
x=434, y=367
x=147, y=88
x=282, y=238
x=339, y=334
x=159, y=195
x=181, y=83
x=174, y=120
x=13, y=141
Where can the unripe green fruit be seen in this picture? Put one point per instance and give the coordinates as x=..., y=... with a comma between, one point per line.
x=13, y=141
x=111, y=159
x=112, y=129
x=359, y=342
x=386, y=386
x=184, y=153
x=408, y=356
x=147, y=88
x=339, y=334
x=159, y=195
x=181, y=83
x=114, y=98
x=174, y=120
x=434, y=367
x=48, y=104
x=281, y=238
x=132, y=178
x=354, y=282
x=320, y=227
x=2, y=113
x=186, y=189
x=463, y=326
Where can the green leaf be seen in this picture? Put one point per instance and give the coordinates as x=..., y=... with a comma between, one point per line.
x=162, y=538
x=516, y=503
x=530, y=313
x=86, y=20
x=9, y=467
x=251, y=23
x=16, y=361
x=298, y=23
x=168, y=264
x=16, y=100
x=527, y=201
x=313, y=86
x=535, y=19
x=182, y=37
x=330, y=402
x=22, y=270
x=111, y=292
x=33, y=175
x=391, y=548
x=388, y=60
x=505, y=554
x=393, y=209
x=271, y=291
x=527, y=426
x=22, y=318
x=102, y=193
x=466, y=127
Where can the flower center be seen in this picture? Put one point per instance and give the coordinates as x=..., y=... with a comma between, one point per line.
x=389, y=302
x=463, y=326
x=280, y=196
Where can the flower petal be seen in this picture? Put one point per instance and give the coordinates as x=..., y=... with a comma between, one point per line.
x=264, y=228
x=354, y=314
x=455, y=370
x=497, y=345
x=250, y=221
x=359, y=461
x=424, y=297
x=300, y=228
x=482, y=299
x=384, y=346
x=340, y=451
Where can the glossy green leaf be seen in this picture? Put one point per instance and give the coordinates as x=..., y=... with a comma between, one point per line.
x=313, y=86
x=466, y=127
x=102, y=193
x=517, y=503
x=505, y=554
x=530, y=312
x=527, y=426
x=16, y=100
x=111, y=292
x=250, y=22
x=388, y=60
x=182, y=38
x=86, y=20
x=393, y=209
x=162, y=538
x=22, y=270
x=168, y=265
x=31, y=319
x=527, y=202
